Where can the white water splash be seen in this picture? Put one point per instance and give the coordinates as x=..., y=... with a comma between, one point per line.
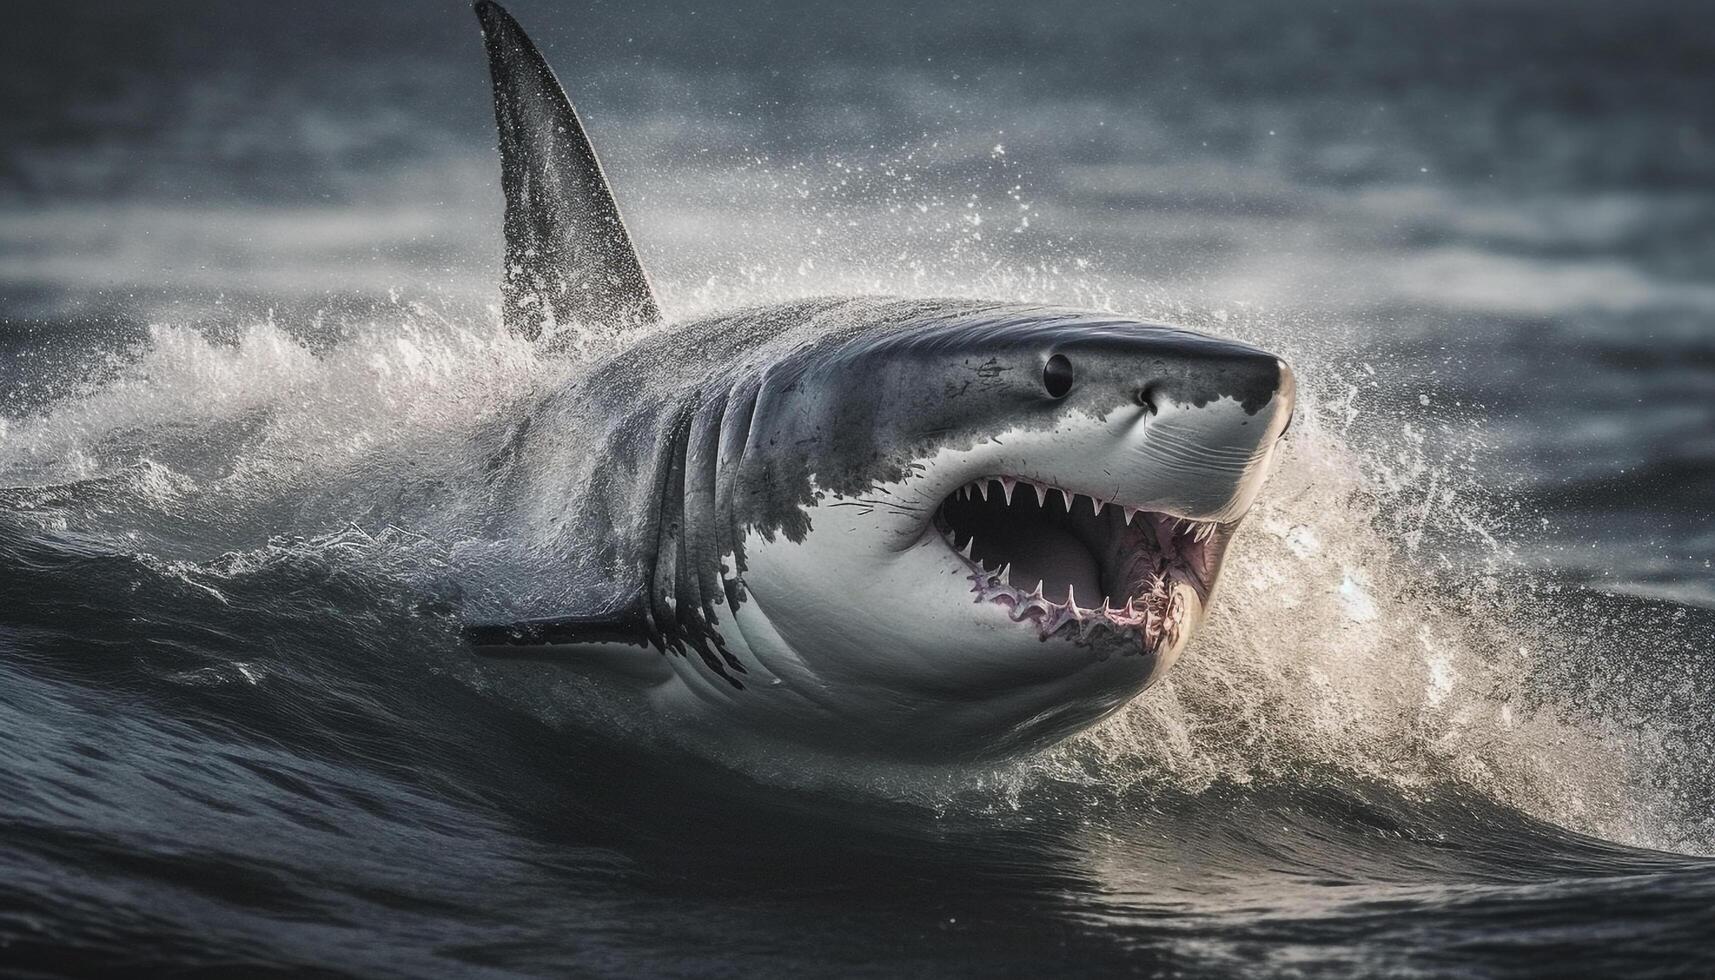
x=1340, y=638
x=1329, y=646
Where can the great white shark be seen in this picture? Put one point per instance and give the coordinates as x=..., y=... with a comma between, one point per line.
x=925, y=529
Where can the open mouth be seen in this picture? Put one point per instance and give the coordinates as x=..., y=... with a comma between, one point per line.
x=1073, y=564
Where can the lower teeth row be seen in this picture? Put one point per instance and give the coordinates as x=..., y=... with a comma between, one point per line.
x=1159, y=620
x=1001, y=582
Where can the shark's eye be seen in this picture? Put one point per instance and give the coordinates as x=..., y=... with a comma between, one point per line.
x=1057, y=376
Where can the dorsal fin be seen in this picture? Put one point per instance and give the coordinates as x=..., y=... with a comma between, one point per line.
x=568, y=258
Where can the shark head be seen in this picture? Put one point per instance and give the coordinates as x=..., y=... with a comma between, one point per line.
x=977, y=533
x=929, y=529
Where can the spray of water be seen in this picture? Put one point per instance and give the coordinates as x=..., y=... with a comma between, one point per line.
x=1335, y=643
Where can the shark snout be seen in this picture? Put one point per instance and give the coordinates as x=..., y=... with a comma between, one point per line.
x=1207, y=462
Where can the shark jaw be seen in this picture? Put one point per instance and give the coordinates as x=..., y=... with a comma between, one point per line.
x=982, y=599
x=1098, y=566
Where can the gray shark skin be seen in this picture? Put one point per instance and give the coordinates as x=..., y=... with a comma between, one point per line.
x=820, y=520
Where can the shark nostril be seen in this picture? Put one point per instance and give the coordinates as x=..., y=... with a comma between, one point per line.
x=1146, y=398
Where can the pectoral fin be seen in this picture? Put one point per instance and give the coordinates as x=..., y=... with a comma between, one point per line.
x=626, y=627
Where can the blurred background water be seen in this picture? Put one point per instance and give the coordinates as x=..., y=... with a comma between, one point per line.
x=1483, y=231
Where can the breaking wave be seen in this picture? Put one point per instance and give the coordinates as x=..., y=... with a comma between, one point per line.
x=1371, y=622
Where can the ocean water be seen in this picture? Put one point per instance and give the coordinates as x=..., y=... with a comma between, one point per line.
x=1450, y=715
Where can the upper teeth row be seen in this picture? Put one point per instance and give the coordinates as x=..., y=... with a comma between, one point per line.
x=1007, y=485
x=1200, y=530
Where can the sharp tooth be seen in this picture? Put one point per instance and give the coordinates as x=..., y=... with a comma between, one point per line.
x=970, y=542
x=1096, y=504
x=983, y=489
x=1005, y=574
x=1065, y=500
x=1038, y=593
x=1071, y=598
x=1006, y=485
x=1041, y=495
x=1107, y=605
x=1129, y=514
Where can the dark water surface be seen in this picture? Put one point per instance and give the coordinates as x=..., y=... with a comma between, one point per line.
x=1450, y=715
